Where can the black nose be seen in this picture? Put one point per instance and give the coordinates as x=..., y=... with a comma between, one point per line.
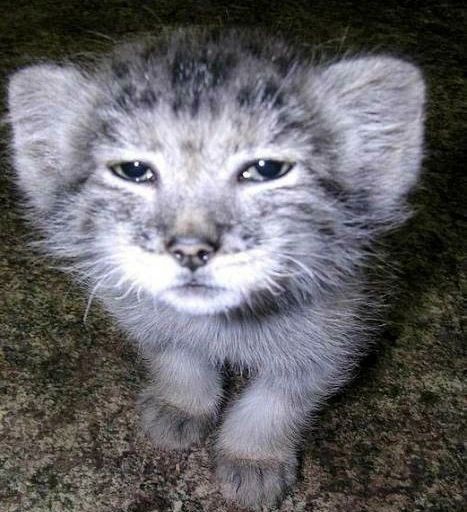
x=191, y=252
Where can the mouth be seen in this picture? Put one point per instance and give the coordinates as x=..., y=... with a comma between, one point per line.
x=195, y=286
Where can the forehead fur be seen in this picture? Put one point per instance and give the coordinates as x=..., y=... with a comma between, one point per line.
x=206, y=92
x=190, y=67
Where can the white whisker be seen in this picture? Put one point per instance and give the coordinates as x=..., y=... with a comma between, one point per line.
x=90, y=299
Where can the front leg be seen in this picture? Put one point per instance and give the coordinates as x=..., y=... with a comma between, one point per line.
x=257, y=442
x=181, y=404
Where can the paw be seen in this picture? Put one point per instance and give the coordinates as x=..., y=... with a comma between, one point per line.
x=171, y=428
x=252, y=483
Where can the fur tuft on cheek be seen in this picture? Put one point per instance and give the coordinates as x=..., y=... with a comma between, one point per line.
x=249, y=272
x=152, y=272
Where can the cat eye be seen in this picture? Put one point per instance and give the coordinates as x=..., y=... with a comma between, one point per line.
x=264, y=170
x=136, y=171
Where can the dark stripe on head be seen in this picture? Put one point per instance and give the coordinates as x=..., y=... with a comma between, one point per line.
x=269, y=94
x=333, y=189
x=147, y=98
x=357, y=201
x=200, y=72
x=193, y=77
x=131, y=97
x=120, y=69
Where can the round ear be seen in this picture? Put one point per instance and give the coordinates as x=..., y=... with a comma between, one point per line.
x=377, y=104
x=44, y=102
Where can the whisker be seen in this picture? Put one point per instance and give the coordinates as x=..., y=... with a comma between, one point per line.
x=90, y=299
x=130, y=289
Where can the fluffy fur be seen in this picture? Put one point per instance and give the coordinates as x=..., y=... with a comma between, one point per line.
x=284, y=296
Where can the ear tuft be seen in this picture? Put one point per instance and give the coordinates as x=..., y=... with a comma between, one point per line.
x=42, y=89
x=44, y=102
x=377, y=103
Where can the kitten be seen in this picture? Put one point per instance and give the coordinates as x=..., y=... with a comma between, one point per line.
x=219, y=192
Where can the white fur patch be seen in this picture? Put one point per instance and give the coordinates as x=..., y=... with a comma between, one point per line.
x=229, y=279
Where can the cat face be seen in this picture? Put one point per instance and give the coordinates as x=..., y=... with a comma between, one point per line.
x=204, y=212
x=216, y=173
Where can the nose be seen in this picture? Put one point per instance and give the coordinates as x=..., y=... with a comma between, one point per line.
x=191, y=252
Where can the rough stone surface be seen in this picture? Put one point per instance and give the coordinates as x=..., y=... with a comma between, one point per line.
x=391, y=442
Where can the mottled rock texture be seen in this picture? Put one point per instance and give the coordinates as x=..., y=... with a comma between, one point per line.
x=391, y=442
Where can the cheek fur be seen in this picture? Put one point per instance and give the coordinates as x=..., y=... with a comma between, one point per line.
x=247, y=272
x=151, y=272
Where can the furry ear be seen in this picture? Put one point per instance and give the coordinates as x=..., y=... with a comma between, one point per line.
x=44, y=103
x=377, y=105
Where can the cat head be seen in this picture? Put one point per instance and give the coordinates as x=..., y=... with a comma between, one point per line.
x=214, y=170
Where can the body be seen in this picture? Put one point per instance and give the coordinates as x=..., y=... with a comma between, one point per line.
x=220, y=192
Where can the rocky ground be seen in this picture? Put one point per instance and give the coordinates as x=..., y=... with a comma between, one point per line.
x=391, y=442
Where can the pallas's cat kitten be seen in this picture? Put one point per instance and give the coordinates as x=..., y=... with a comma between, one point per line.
x=219, y=192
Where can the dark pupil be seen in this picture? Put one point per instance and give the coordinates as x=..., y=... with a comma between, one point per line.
x=134, y=169
x=269, y=168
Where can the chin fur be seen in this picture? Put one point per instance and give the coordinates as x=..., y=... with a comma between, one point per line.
x=204, y=302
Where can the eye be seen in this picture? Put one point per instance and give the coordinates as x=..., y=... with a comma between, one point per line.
x=264, y=170
x=136, y=171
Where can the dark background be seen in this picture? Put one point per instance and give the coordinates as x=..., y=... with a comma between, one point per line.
x=392, y=441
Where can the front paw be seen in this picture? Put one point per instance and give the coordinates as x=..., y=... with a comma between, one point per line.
x=252, y=483
x=171, y=428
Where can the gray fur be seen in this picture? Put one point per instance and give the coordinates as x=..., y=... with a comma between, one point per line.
x=293, y=306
